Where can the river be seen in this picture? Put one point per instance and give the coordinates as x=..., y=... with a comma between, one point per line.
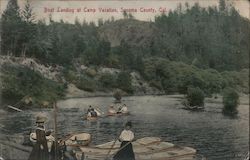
x=214, y=135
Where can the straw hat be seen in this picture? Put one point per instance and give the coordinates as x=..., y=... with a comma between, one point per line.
x=40, y=119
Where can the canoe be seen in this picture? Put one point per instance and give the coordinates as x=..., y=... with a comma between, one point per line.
x=89, y=118
x=13, y=108
x=147, y=148
x=117, y=114
x=78, y=139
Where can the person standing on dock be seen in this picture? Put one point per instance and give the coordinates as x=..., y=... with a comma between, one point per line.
x=40, y=149
x=126, y=149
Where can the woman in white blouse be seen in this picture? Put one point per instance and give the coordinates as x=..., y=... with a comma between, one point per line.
x=126, y=149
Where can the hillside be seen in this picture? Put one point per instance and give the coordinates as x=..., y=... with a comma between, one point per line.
x=190, y=47
x=133, y=32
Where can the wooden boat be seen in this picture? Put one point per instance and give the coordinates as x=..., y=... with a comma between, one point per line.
x=89, y=118
x=117, y=114
x=76, y=140
x=192, y=108
x=147, y=148
x=11, y=108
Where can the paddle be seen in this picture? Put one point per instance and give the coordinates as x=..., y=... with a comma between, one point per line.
x=112, y=146
x=98, y=109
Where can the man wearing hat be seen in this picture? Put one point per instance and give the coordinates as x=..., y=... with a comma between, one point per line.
x=126, y=149
x=111, y=110
x=40, y=149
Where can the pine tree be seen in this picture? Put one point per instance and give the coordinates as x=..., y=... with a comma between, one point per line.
x=11, y=26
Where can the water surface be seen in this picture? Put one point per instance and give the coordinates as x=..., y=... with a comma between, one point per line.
x=214, y=135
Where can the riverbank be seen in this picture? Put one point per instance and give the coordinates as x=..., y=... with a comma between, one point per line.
x=42, y=84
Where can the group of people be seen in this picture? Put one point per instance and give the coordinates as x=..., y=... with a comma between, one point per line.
x=91, y=112
x=41, y=150
x=123, y=109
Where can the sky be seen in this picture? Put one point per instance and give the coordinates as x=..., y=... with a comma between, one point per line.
x=92, y=10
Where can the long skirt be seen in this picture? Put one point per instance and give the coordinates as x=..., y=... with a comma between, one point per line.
x=39, y=154
x=126, y=153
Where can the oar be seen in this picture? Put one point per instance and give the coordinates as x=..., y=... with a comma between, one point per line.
x=117, y=137
x=98, y=109
x=55, y=128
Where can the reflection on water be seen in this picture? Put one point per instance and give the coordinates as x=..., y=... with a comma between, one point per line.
x=214, y=135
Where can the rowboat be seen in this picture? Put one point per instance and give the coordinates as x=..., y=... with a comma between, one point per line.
x=147, y=148
x=117, y=114
x=89, y=118
x=76, y=140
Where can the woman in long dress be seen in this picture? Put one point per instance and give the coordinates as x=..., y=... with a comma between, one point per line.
x=40, y=149
x=126, y=149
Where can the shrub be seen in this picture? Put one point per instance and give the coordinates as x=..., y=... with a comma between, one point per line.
x=230, y=101
x=18, y=82
x=124, y=82
x=91, y=72
x=108, y=80
x=86, y=84
x=195, y=96
x=117, y=95
x=70, y=76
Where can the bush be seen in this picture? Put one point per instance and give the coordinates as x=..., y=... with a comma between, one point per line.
x=108, y=80
x=70, y=76
x=18, y=82
x=195, y=96
x=124, y=82
x=86, y=84
x=117, y=95
x=230, y=101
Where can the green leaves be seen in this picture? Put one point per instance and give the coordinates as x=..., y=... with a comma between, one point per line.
x=195, y=96
x=230, y=100
x=18, y=82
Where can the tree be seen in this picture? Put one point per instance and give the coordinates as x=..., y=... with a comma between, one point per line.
x=230, y=101
x=11, y=25
x=125, y=15
x=130, y=16
x=29, y=30
x=195, y=97
x=27, y=13
x=124, y=82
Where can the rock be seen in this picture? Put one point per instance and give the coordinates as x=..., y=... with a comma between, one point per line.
x=91, y=72
x=28, y=100
x=45, y=104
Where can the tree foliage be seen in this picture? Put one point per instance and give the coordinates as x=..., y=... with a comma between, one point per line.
x=195, y=96
x=230, y=100
x=190, y=46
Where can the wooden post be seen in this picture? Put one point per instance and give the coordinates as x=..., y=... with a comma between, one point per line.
x=55, y=128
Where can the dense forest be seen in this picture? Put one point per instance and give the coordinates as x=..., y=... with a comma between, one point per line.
x=190, y=46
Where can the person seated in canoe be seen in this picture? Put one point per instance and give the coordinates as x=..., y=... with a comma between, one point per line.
x=89, y=109
x=123, y=109
x=111, y=110
x=40, y=150
x=93, y=113
x=126, y=149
